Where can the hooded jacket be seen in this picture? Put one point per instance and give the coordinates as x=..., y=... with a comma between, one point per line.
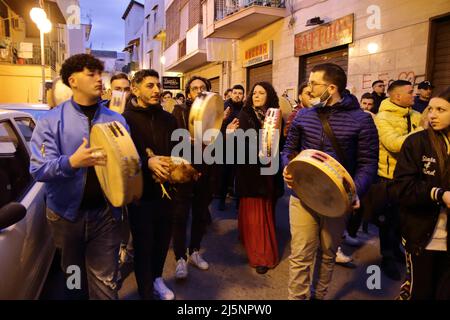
x=152, y=128
x=392, y=125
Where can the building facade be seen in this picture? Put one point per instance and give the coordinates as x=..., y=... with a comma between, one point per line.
x=134, y=36
x=280, y=41
x=20, y=50
x=187, y=52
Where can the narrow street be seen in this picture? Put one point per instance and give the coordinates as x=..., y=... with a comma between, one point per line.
x=230, y=277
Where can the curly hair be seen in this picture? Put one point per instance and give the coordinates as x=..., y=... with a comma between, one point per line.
x=77, y=63
x=188, y=84
x=272, y=97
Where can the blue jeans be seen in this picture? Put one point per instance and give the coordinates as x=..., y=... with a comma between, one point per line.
x=92, y=243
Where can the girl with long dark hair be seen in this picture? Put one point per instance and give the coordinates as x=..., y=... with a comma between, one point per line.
x=422, y=186
x=258, y=193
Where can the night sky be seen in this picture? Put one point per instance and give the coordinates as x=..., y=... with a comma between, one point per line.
x=107, y=24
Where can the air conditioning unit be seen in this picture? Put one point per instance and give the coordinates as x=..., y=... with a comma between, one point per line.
x=17, y=24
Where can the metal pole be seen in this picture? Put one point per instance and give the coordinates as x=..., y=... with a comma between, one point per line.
x=43, y=66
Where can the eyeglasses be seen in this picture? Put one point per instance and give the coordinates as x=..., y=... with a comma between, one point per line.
x=202, y=88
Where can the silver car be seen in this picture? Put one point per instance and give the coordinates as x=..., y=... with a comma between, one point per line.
x=26, y=246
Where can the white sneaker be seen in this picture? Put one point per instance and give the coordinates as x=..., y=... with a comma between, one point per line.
x=181, y=271
x=160, y=290
x=196, y=259
x=341, y=257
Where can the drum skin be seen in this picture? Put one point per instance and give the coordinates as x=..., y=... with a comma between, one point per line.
x=271, y=140
x=285, y=107
x=322, y=183
x=121, y=178
x=208, y=108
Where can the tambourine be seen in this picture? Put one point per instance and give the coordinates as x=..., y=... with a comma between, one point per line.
x=271, y=132
x=121, y=177
x=206, y=113
x=285, y=107
x=322, y=183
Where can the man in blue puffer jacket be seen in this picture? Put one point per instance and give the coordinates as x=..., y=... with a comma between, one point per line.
x=84, y=227
x=357, y=137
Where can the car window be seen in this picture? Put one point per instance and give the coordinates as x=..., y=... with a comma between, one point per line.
x=15, y=178
x=26, y=127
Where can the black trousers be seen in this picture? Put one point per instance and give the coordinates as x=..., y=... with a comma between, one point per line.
x=150, y=225
x=226, y=180
x=428, y=276
x=385, y=214
x=197, y=195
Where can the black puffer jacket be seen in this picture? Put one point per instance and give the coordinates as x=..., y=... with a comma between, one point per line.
x=416, y=178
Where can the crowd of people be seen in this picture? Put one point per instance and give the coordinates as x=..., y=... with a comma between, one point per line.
x=395, y=146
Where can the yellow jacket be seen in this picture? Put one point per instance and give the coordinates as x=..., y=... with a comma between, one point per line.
x=392, y=128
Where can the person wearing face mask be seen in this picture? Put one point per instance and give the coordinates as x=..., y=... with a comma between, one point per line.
x=150, y=218
x=422, y=185
x=258, y=193
x=312, y=234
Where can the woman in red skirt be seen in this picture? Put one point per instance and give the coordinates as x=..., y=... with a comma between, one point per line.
x=258, y=193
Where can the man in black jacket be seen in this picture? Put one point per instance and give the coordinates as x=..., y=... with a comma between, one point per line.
x=234, y=106
x=150, y=218
x=378, y=94
x=423, y=98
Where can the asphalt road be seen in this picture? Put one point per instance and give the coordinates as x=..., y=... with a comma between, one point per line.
x=230, y=277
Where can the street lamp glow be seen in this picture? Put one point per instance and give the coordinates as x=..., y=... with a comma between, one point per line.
x=372, y=47
x=38, y=15
x=45, y=26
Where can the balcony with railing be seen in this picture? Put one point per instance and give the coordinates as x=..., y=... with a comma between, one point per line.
x=233, y=19
x=10, y=55
x=188, y=53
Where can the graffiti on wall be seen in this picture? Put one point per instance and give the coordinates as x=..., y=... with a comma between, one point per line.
x=389, y=77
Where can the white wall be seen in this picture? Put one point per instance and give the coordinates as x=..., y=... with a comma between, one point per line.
x=133, y=23
x=194, y=39
x=151, y=44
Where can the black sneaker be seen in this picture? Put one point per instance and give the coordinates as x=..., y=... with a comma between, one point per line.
x=261, y=269
x=390, y=269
